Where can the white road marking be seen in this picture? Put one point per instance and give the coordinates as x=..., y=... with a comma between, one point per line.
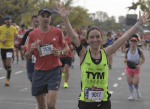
x=17, y=103
x=1, y=68
x=18, y=72
x=119, y=78
x=111, y=92
x=2, y=77
x=24, y=89
x=115, y=85
x=123, y=73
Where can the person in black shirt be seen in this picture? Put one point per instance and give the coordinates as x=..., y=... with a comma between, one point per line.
x=30, y=63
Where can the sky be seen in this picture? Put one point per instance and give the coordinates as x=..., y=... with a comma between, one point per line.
x=112, y=7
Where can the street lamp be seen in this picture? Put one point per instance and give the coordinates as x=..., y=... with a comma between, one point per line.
x=43, y=3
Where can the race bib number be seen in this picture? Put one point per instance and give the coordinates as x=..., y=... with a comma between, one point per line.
x=16, y=41
x=9, y=55
x=33, y=59
x=21, y=36
x=45, y=50
x=95, y=94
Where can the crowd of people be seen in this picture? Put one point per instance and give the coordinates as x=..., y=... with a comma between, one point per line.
x=49, y=53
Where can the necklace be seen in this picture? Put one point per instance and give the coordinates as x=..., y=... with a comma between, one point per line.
x=43, y=34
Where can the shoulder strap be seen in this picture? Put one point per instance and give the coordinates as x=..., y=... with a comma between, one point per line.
x=139, y=52
x=127, y=50
x=105, y=54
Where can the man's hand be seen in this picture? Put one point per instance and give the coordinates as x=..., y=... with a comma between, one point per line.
x=33, y=46
x=56, y=52
x=22, y=47
x=16, y=36
x=3, y=41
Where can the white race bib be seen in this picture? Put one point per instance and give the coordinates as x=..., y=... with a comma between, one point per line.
x=33, y=59
x=94, y=94
x=45, y=50
x=9, y=55
x=16, y=41
x=21, y=36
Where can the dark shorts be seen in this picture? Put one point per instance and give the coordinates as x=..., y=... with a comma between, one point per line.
x=66, y=60
x=30, y=69
x=94, y=105
x=43, y=81
x=16, y=46
x=19, y=48
x=4, y=51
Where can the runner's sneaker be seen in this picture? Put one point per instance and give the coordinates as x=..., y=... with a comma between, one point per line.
x=131, y=97
x=23, y=65
x=13, y=59
x=110, y=66
x=66, y=85
x=36, y=106
x=63, y=75
x=122, y=54
x=72, y=66
x=7, y=83
x=138, y=94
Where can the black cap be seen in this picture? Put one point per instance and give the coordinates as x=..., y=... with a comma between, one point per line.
x=109, y=33
x=22, y=25
x=41, y=11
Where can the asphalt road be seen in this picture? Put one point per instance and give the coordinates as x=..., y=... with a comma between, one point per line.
x=18, y=94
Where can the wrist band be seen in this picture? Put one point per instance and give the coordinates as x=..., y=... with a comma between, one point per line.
x=138, y=26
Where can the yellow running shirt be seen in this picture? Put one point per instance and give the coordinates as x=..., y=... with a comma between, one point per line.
x=9, y=34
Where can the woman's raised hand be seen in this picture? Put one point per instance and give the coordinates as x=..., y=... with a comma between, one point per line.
x=61, y=10
x=143, y=18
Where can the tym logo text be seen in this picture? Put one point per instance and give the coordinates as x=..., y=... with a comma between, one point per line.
x=97, y=75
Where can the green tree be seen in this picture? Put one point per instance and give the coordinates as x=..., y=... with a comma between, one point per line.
x=15, y=8
x=143, y=4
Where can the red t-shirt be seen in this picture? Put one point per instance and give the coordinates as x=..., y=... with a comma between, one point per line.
x=16, y=42
x=21, y=34
x=118, y=34
x=79, y=32
x=68, y=41
x=55, y=37
x=145, y=36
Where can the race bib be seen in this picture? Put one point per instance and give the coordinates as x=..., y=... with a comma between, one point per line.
x=33, y=59
x=9, y=55
x=21, y=36
x=16, y=41
x=45, y=50
x=95, y=94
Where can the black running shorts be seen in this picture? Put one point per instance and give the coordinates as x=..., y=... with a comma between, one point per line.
x=4, y=51
x=66, y=60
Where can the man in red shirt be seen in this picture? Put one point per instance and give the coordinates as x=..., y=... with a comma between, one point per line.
x=118, y=34
x=79, y=32
x=66, y=59
x=44, y=42
x=21, y=34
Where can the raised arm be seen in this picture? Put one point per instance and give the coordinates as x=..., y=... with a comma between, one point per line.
x=74, y=37
x=142, y=19
x=64, y=14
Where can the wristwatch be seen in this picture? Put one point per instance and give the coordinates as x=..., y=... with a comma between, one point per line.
x=62, y=53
